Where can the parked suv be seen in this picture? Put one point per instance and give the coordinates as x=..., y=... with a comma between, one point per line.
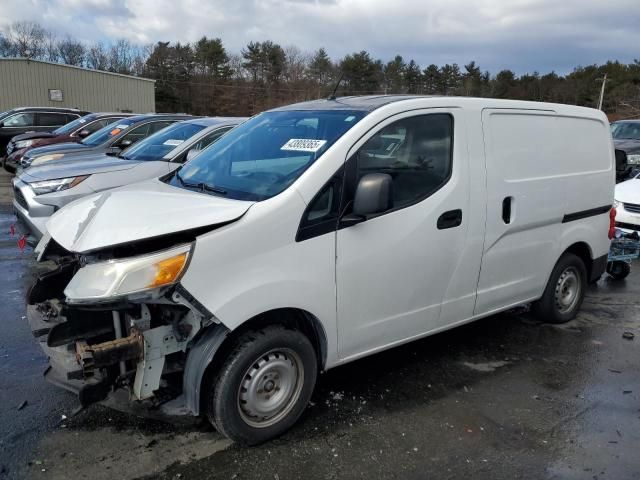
x=71, y=132
x=28, y=119
x=316, y=234
x=109, y=140
x=626, y=138
x=41, y=190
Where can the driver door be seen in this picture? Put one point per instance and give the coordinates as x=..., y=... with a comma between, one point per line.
x=395, y=271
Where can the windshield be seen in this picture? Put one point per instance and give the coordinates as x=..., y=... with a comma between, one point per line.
x=263, y=156
x=162, y=142
x=70, y=127
x=627, y=130
x=105, y=133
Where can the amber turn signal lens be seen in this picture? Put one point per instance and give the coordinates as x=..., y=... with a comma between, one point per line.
x=167, y=271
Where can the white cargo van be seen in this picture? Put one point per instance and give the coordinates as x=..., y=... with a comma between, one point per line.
x=316, y=234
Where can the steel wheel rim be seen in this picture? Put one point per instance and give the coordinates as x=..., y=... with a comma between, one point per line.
x=270, y=388
x=568, y=289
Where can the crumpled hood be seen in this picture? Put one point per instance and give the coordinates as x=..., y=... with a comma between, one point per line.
x=628, y=145
x=98, y=163
x=136, y=212
x=628, y=191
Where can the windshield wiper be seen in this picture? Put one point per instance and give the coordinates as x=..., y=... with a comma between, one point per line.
x=204, y=187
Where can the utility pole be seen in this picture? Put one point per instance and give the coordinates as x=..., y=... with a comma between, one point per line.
x=604, y=81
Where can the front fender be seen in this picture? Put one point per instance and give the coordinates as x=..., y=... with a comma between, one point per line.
x=199, y=358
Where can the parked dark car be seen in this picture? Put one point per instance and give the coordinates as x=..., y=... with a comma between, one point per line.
x=71, y=132
x=109, y=140
x=626, y=138
x=29, y=119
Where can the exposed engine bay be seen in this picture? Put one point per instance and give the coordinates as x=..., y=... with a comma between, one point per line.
x=138, y=342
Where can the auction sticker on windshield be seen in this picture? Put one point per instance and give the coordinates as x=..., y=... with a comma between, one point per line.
x=303, y=145
x=172, y=142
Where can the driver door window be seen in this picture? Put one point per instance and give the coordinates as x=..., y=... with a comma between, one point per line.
x=416, y=152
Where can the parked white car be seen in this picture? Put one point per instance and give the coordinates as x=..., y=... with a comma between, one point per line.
x=627, y=203
x=316, y=234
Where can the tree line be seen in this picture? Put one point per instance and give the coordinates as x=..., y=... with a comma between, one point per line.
x=204, y=78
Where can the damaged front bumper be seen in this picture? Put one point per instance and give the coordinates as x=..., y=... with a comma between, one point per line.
x=94, y=349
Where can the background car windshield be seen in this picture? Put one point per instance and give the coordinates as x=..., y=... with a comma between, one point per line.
x=70, y=127
x=266, y=154
x=630, y=130
x=105, y=133
x=162, y=142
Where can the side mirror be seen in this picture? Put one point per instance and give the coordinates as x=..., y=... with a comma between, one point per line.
x=113, y=151
x=125, y=143
x=1, y=124
x=84, y=133
x=374, y=194
x=191, y=154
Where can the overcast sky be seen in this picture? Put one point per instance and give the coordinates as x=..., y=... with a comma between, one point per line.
x=523, y=35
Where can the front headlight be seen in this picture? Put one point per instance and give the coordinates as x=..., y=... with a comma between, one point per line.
x=24, y=143
x=57, y=185
x=44, y=159
x=106, y=281
x=616, y=204
x=633, y=159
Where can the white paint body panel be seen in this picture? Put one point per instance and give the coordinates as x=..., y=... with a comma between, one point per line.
x=396, y=277
x=628, y=192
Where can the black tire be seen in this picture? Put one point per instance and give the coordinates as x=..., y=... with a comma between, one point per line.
x=262, y=360
x=618, y=270
x=556, y=306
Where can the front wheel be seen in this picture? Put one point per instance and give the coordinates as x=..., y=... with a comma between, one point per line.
x=564, y=292
x=263, y=386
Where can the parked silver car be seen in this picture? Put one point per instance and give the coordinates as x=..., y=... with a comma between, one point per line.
x=39, y=191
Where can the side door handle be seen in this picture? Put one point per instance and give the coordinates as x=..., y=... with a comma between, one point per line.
x=450, y=219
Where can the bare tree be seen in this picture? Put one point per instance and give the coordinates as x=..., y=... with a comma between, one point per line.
x=26, y=39
x=51, y=47
x=97, y=57
x=121, y=56
x=71, y=51
x=296, y=64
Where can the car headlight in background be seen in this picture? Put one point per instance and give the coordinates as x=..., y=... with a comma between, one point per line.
x=42, y=159
x=57, y=185
x=633, y=159
x=105, y=281
x=23, y=143
x=616, y=204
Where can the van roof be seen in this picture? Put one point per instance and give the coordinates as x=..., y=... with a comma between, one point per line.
x=369, y=103
x=365, y=103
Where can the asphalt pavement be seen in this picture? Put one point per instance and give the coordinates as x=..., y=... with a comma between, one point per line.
x=504, y=397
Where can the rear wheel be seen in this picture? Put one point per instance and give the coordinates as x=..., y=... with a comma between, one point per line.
x=565, y=291
x=263, y=386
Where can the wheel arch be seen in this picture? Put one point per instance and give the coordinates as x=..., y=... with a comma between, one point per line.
x=583, y=251
x=212, y=346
